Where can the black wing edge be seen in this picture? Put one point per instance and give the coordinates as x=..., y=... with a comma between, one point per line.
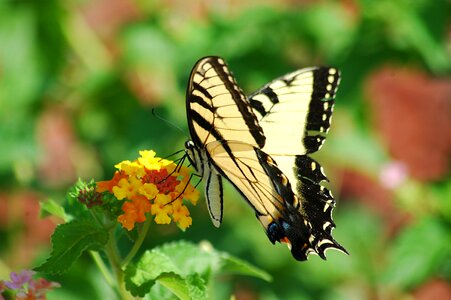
x=304, y=224
x=325, y=84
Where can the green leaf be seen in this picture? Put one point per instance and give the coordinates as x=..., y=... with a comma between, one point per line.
x=141, y=277
x=69, y=241
x=185, y=269
x=234, y=265
x=192, y=287
x=52, y=208
x=418, y=253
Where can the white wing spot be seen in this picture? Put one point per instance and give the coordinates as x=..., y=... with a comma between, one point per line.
x=221, y=61
x=323, y=241
x=324, y=117
x=311, y=238
x=331, y=79
x=326, y=105
x=325, y=225
x=328, y=204
x=332, y=71
x=329, y=87
x=313, y=166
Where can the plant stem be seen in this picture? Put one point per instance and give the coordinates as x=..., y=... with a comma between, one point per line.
x=114, y=258
x=103, y=268
x=138, y=243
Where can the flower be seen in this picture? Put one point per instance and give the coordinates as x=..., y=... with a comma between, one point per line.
x=180, y=214
x=161, y=209
x=393, y=174
x=152, y=185
x=134, y=212
x=25, y=288
x=19, y=279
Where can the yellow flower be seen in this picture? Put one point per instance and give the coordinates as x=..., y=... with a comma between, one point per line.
x=161, y=208
x=127, y=188
x=131, y=168
x=149, y=161
x=180, y=214
x=148, y=190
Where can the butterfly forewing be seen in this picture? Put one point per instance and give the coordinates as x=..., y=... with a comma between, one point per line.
x=217, y=108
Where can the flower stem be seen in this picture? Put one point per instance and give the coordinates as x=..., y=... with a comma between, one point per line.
x=103, y=268
x=114, y=258
x=138, y=243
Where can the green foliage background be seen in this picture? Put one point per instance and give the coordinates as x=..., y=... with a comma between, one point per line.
x=78, y=81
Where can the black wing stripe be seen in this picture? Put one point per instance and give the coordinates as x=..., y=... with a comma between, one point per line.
x=214, y=93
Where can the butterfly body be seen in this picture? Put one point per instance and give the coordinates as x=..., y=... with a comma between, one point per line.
x=260, y=145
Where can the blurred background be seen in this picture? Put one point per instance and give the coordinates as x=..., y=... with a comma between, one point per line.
x=78, y=81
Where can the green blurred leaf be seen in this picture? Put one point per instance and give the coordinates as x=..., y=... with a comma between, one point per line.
x=417, y=253
x=331, y=28
x=233, y=265
x=52, y=208
x=69, y=241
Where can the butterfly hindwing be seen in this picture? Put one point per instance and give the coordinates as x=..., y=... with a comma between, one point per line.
x=295, y=110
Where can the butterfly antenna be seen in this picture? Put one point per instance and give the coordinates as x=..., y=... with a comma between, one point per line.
x=184, y=189
x=166, y=121
x=177, y=168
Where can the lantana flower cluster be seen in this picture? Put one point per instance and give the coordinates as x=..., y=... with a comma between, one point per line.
x=151, y=184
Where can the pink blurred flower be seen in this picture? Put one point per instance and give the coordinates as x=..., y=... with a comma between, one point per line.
x=393, y=174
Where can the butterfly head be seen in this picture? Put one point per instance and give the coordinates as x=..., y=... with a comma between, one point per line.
x=194, y=155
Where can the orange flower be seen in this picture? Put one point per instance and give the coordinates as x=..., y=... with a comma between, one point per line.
x=104, y=186
x=134, y=212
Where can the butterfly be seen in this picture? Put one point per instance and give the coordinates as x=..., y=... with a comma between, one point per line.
x=261, y=145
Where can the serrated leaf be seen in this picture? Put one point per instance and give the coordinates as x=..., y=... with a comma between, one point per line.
x=52, y=208
x=175, y=284
x=140, y=278
x=418, y=252
x=69, y=241
x=192, y=258
x=185, y=269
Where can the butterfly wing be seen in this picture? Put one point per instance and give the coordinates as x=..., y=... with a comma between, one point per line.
x=295, y=110
x=217, y=109
x=295, y=113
